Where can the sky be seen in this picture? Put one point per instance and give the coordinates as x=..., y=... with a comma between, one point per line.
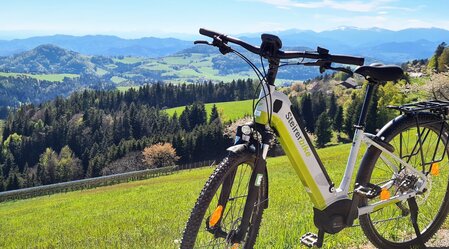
x=183, y=18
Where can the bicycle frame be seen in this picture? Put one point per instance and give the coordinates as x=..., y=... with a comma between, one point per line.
x=306, y=162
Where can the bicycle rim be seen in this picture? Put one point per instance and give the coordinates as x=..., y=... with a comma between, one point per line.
x=392, y=223
x=231, y=214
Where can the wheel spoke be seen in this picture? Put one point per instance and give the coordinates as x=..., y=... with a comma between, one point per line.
x=231, y=215
x=388, y=223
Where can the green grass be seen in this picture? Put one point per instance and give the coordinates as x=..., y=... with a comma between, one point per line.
x=126, y=88
x=101, y=71
x=153, y=212
x=129, y=60
x=181, y=68
x=48, y=77
x=117, y=79
x=229, y=111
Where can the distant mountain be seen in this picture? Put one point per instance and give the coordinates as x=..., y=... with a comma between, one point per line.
x=99, y=45
x=47, y=59
x=378, y=44
x=414, y=43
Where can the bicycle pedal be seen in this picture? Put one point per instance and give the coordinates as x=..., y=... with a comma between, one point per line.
x=309, y=239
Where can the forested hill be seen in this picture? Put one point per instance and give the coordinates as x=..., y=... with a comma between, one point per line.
x=48, y=71
x=47, y=59
x=83, y=135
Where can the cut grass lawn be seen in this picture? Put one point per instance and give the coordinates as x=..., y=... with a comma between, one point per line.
x=229, y=111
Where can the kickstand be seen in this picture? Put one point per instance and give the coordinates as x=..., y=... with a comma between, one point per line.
x=414, y=217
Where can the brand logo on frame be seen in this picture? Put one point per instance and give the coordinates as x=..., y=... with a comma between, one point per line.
x=295, y=129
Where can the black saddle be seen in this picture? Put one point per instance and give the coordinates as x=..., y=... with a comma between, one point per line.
x=380, y=72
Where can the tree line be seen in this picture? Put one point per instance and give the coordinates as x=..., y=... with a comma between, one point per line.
x=77, y=137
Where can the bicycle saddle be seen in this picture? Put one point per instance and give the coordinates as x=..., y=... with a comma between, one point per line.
x=380, y=72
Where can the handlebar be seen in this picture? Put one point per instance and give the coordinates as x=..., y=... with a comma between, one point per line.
x=343, y=59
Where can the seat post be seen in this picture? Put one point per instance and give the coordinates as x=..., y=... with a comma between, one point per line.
x=368, y=95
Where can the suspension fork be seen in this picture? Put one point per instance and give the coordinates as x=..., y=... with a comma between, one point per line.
x=226, y=191
x=255, y=183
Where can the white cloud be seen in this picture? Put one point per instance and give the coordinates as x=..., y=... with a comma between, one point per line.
x=351, y=5
x=381, y=21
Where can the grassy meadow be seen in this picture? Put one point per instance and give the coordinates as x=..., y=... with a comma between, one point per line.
x=152, y=213
x=229, y=111
x=48, y=77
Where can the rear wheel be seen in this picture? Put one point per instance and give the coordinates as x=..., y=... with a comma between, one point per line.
x=391, y=226
x=211, y=226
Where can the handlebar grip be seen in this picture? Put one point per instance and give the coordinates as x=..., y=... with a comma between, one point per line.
x=209, y=33
x=343, y=59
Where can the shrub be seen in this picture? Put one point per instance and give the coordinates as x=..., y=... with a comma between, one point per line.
x=160, y=155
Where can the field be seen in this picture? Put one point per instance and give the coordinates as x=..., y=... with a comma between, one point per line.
x=153, y=212
x=126, y=88
x=229, y=111
x=48, y=77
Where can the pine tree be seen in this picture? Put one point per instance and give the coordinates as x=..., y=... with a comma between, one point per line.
x=371, y=118
x=323, y=130
x=318, y=105
x=14, y=180
x=338, y=119
x=333, y=107
x=184, y=119
x=307, y=113
x=351, y=115
x=214, y=114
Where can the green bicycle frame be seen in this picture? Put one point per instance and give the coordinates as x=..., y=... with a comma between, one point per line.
x=304, y=159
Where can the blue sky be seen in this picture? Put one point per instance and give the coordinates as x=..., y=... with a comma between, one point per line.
x=138, y=18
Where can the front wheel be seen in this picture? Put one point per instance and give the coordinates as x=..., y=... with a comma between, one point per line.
x=391, y=226
x=219, y=208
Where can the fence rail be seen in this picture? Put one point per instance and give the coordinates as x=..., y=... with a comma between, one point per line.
x=96, y=182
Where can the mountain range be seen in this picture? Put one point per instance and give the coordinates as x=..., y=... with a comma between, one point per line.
x=99, y=45
x=376, y=43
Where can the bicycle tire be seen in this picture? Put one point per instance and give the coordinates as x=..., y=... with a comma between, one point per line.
x=198, y=217
x=370, y=226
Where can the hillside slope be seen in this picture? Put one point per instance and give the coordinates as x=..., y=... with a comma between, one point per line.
x=229, y=111
x=154, y=211
x=47, y=59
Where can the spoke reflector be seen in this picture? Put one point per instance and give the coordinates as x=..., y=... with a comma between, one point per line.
x=385, y=194
x=215, y=217
x=235, y=246
x=435, y=171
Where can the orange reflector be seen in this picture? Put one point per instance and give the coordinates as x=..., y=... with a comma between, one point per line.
x=435, y=170
x=235, y=246
x=384, y=194
x=215, y=217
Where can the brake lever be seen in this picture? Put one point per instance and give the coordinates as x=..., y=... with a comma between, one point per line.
x=342, y=69
x=323, y=65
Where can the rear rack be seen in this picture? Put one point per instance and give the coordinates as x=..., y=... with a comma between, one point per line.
x=434, y=106
x=437, y=107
